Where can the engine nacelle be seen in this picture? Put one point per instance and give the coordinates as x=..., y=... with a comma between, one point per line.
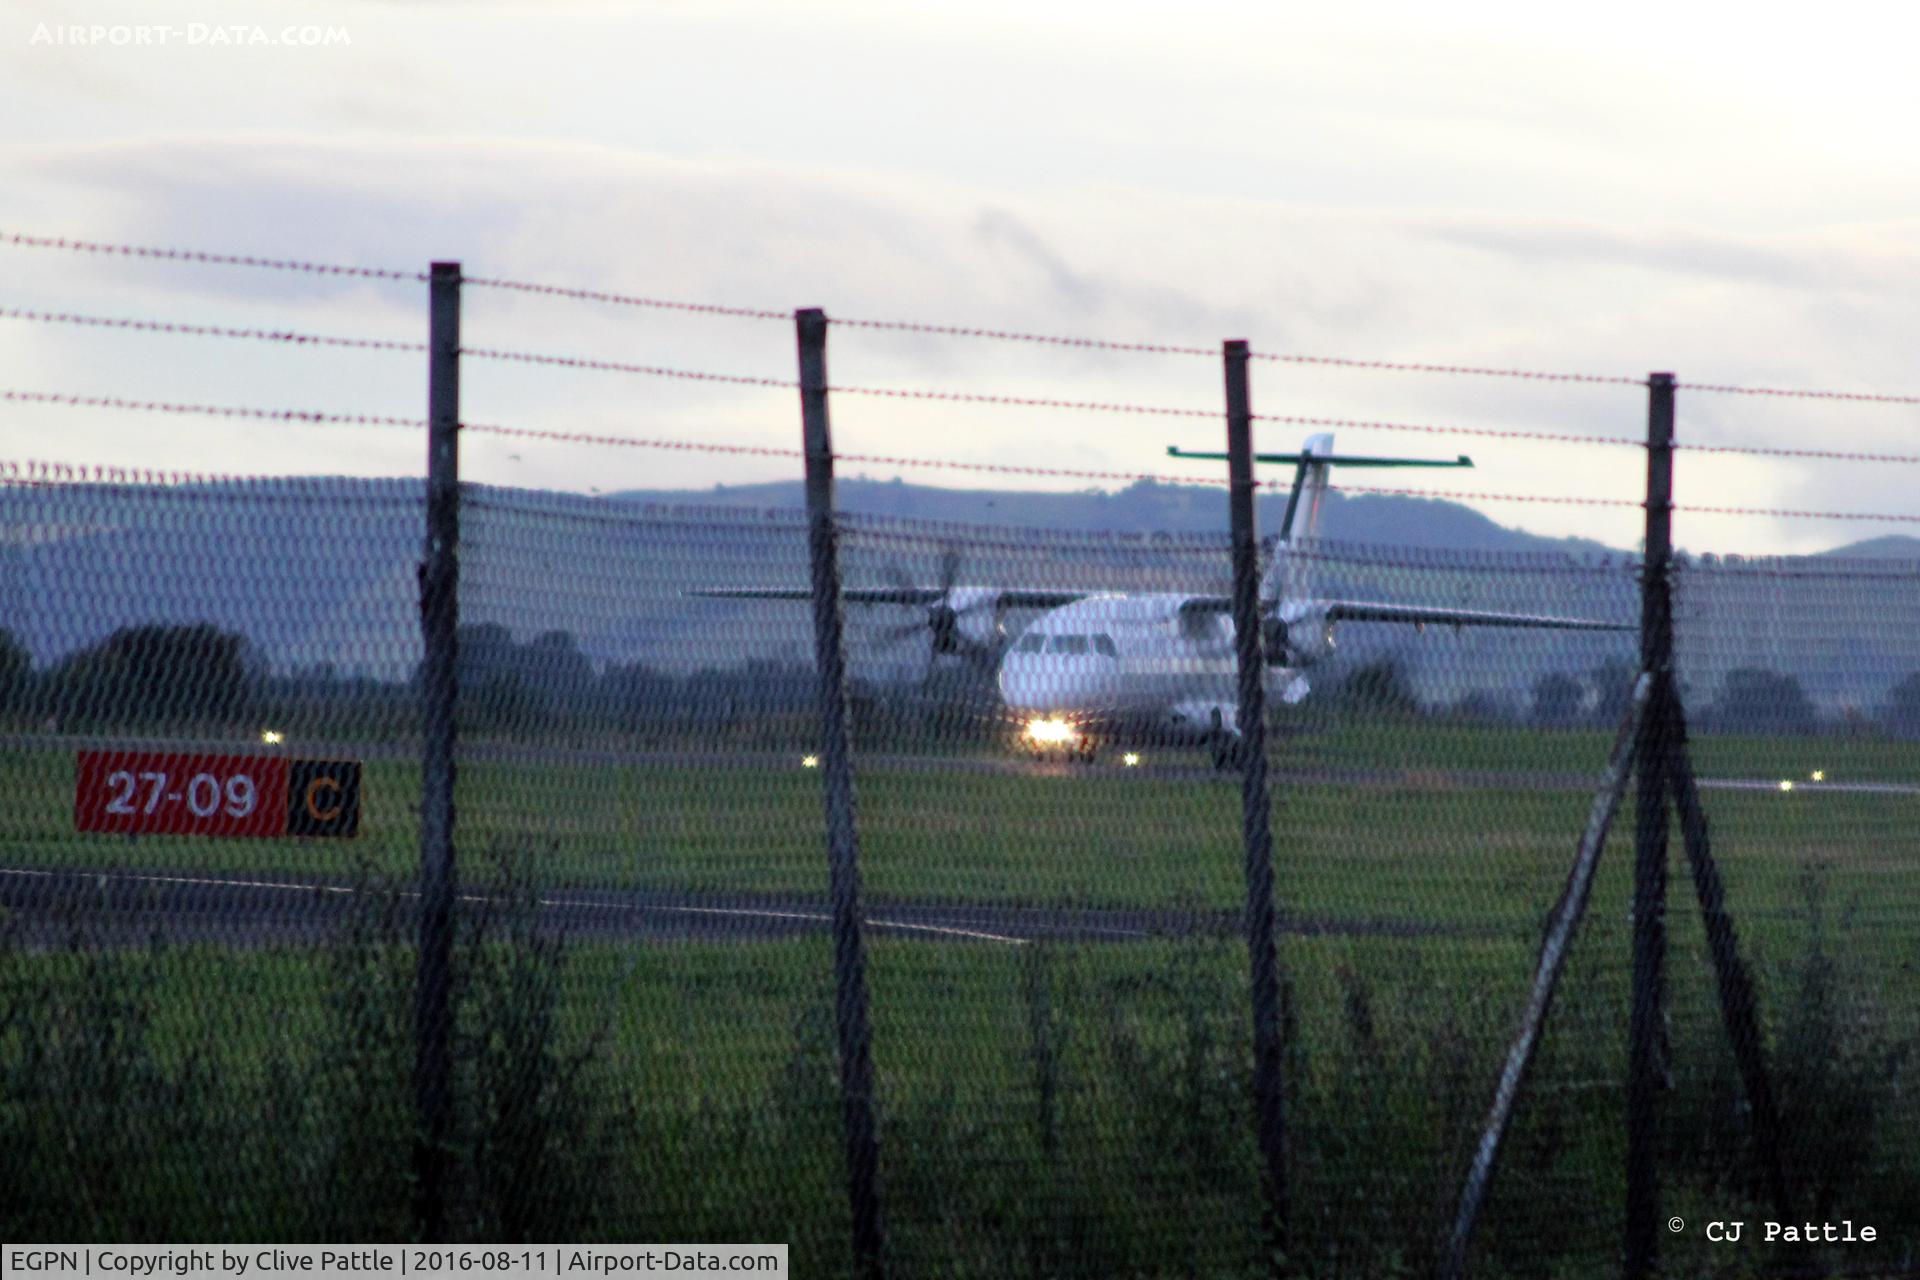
x=1299, y=635
x=966, y=614
x=1202, y=719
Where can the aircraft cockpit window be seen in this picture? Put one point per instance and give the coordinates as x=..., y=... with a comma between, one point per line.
x=1031, y=644
x=1103, y=644
x=1068, y=644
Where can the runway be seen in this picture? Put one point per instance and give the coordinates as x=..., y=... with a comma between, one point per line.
x=1329, y=771
x=42, y=906
x=119, y=908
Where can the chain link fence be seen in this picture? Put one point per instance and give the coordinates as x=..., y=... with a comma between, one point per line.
x=983, y=993
x=213, y=1038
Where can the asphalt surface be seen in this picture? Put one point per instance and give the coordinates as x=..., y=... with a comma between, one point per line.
x=1327, y=773
x=118, y=907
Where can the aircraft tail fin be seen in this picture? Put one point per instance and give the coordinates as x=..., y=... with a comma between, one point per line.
x=1313, y=467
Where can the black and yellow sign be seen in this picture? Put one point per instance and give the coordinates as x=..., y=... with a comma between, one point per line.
x=323, y=798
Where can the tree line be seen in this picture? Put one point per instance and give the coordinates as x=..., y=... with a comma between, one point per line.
x=197, y=676
x=1751, y=700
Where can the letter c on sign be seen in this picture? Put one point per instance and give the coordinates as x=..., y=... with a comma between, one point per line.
x=314, y=788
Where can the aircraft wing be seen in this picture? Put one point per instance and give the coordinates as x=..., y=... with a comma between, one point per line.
x=1005, y=597
x=1430, y=615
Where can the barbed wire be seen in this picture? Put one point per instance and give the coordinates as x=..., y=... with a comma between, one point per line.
x=1771, y=451
x=363, y=419
x=1422, y=428
x=1033, y=402
x=319, y=417
x=1120, y=407
x=1456, y=370
x=299, y=338
x=625, y=299
x=311, y=416
x=330, y=418
x=205, y=258
x=202, y=257
x=1800, y=393
x=621, y=366
x=1789, y=514
x=1069, y=341
x=866, y=459
x=626, y=442
x=287, y=336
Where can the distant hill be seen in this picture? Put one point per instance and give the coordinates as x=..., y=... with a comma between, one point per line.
x=319, y=571
x=1144, y=507
x=1896, y=546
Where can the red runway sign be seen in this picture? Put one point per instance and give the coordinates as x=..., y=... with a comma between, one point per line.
x=197, y=794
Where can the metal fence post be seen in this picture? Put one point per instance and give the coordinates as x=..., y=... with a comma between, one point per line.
x=1256, y=816
x=851, y=1015
x=1562, y=925
x=439, y=619
x=1739, y=1005
x=1646, y=1029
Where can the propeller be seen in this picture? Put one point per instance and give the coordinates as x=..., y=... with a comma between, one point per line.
x=942, y=620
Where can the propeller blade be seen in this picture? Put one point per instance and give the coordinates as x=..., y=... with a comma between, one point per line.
x=949, y=569
x=897, y=577
x=984, y=658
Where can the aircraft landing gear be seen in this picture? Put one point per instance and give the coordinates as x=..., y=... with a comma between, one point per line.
x=1228, y=754
x=1225, y=747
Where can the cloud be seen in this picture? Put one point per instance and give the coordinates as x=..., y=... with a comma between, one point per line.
x=1872, y=258
x=1827, y=306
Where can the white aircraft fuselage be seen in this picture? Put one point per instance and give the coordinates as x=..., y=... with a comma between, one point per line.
x=1117, y=665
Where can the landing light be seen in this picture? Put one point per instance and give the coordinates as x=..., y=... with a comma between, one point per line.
x=1052, y=732
x=809, y=762
x=1786, y=784
x=272, y=737
x=1819, y=775
x=1130, y=759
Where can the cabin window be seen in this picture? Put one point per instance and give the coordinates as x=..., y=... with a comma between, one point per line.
x=1103, y=644
x=1068, y=644
x=1031, y=644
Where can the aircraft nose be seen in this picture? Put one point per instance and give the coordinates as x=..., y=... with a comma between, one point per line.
x=1020, y=683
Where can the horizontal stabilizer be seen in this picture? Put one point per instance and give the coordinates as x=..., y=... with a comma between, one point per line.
x=1329, y=459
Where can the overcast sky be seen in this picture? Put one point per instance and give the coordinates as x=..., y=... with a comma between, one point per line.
x=1610, y=190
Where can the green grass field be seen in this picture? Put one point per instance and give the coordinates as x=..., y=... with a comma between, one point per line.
x=1423, y=844
x=1048, y=1110
x=1054, y=1111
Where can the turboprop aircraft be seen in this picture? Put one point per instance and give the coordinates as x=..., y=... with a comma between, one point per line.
x=1106, y=668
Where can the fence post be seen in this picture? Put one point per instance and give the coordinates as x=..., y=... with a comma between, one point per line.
x=1256, y=817
x=1646, y=1029
x=1739, y=1007
x=851, y=1014
x=1562, y=925
x=439, y=619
